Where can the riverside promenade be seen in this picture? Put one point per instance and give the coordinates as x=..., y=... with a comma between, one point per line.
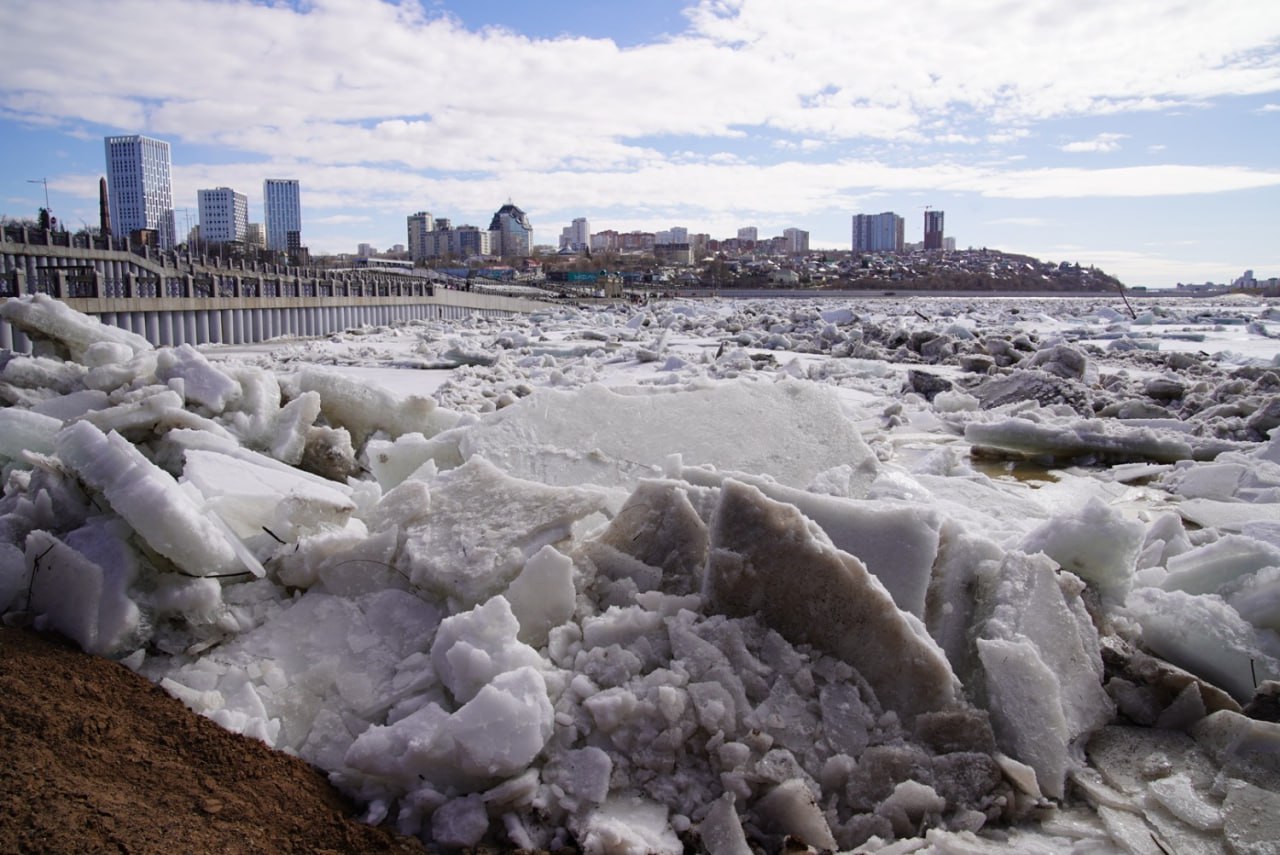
x=172, y=299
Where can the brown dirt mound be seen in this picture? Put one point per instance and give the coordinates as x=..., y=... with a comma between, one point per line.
x=94, y=758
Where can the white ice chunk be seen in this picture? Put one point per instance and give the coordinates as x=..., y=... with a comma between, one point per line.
x=1228, y=516
x=483, y=526
x=542, y=596
x=1182, y=800
x=460, y=822
x=503, y=728
x=1044, y=677
x=1095, y=542
x=1026, y=709
x=1207, y=637
x=393, y=462
x=24, y=430
x=158, y=409
x=602, y=436
x=721, y=830
x=1207, y=569
x=83, y=599
x=202, y=382
x=1258, y=599
x=1251, y=819
x=474, y=647
x=248, y=496
x=363, y=409
x=582, y=773
x=148, y=499
x=44, y=317
x=909, y=806
x=68, y=407
x=292, y=422
x=628, y=825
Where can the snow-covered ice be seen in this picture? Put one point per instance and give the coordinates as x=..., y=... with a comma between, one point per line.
x=940, y=576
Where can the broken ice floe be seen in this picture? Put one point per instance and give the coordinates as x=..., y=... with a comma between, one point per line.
x=695, y=606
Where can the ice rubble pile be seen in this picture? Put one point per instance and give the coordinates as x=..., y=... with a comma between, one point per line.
x=645, y=617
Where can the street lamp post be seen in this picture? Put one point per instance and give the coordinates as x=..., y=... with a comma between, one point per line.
x=45, y=182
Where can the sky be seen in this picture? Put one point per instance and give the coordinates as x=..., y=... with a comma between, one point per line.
x=1140, y=136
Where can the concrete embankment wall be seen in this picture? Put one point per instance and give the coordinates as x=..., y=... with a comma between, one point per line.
x=197, y=321
x=172, y=300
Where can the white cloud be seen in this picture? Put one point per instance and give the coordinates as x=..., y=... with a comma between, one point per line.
x=1268, y=108
x=1100, y=143
x=365, y=82
x=1018, y=221
x=340, y=219
x=1156, y=147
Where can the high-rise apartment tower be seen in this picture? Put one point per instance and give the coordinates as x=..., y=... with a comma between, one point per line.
x=282, y=210
x=139, y=189
x=224, y=215
x=932, y=229
x=877, y=232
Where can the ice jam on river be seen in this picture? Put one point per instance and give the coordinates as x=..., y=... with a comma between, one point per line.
x=944, y=576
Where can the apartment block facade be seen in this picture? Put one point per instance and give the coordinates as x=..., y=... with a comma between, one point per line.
x=140, y=192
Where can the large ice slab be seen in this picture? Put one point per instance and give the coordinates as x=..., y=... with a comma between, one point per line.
x=790, y=430
x=1207, y=637
x=363, y=409
x=482, y=527
x=765, y=558
x=1041, y=664
x=149, y=499
x=41, y=316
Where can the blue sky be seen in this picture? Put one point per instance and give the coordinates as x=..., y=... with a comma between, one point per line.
x=1139, y=136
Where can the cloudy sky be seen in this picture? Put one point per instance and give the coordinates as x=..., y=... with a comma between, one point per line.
x=1142, y=136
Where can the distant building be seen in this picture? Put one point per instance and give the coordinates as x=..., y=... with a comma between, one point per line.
x=282, y=207
x=605, y=241
x=932, y=229
x=140, y=192
x=420, y=226
x=512, y=234
x=576, y=237
x=224, y=215
x=255, y=235
x=673, y=253
x=797, y=241
x=878, y=232
x=470, y=242
x=365, y=250
x=749, y=234
x=949, y=244
x=636, y=242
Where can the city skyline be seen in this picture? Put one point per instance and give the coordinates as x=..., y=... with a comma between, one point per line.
x=1137, y=137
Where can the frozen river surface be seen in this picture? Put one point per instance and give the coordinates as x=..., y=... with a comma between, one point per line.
x=933, y=575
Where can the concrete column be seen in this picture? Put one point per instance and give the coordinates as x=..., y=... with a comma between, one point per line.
x=153, y=328
x=255, y=324
x=21, y=344
x=229, y=327
x=6, y=336
x=202, y=326
x=164, y=321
